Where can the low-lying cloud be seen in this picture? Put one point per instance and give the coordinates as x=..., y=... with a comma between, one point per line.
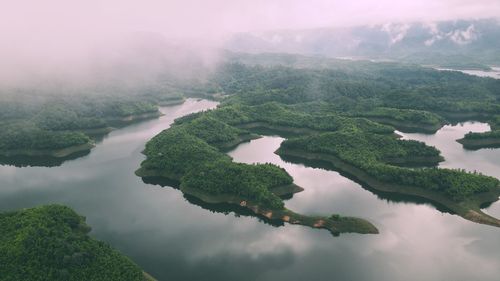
x=40, y=38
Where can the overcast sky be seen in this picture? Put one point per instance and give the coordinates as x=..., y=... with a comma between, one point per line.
x=214, y=18
x=41, y=29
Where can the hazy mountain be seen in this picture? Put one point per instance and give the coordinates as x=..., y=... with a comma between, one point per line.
x=449, y=42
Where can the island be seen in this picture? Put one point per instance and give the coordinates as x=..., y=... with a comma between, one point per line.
x=51, y=243
x=27, y=139
x=68, y=126
x=491, y=139
x=405, y=120
x=189, y=156
x=370, y=161
x=343, y=114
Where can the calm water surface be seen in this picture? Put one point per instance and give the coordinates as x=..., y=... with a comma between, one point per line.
x=174, y=239
x=493, y=73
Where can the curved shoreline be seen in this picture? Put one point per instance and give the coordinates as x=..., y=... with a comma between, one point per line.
x=125, y=120
x=406, y=127
x=277, y=128
x=469, y=210
x=476, y=144
x=287, y=130
x=415, y=161
x=241, y=139
x=57, y=153
x=335, y=224
x=172, y=102
x=97, y=131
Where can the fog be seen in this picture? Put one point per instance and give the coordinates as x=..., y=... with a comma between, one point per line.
x=86, y=40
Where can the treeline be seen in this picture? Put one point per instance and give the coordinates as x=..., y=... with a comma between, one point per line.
x=189, y=151
x=491, y=138
x=53, y=121
x=329, y=107
x=51, y=243
x=370, y=152
x=486, y=135
x=406, y=116
x=274, y=113
x=25, y=135
x=363, y=87
x=182, y=153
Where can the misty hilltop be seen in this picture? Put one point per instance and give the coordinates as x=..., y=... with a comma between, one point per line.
x=470, y=41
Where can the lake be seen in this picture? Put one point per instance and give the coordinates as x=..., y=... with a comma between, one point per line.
x=493, y=73
x=177, y=238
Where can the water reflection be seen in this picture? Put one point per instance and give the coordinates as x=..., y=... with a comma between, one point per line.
x=176, y=239
x=39, y=161
x=486, y=161
x=223, y=208
x=493, y=73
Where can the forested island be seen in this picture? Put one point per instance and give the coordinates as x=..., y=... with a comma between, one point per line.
x=489, y=139
x=338, y=111
x=67, y=124
x=407, y=97
x=343, y=114
x=51, y=243
x=189, y=156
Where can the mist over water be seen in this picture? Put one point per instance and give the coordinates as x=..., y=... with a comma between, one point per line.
x=70, y=52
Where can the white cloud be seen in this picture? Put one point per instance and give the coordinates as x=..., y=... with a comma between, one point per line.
x=463, y=37
x=458, y=36
x=397, y=32
x=35, y=32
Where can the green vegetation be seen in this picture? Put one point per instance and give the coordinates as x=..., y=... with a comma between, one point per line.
x=327, y=112
x=35, y=124
x=26, y=135
x=481, y=140
x=56, y=117
x=179, y=155
x=407, y=120
x=407, y=97
x=372, y=154
x=216, y=132
x=362, y=87
x=275, y=114
x=491, y=139
x=52, y=243
x=486, y=135
x=249, y=182
x=189, y=153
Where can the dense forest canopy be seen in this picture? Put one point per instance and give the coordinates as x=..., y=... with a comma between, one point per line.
x=345, y=110
x=402, y=95
x=391, y=93
x=51, y=243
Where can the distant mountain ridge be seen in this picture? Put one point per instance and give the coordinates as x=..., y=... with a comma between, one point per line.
x=447, y=42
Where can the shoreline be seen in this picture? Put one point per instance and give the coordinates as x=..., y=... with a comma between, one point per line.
x=129, y=119
x=415, y=161
x=469, y=209
x=335, y=223
x=277, y=128
x=407, y=127
x=241, y=139
x=476, y=144
x=56, y=153
x=172, y=102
